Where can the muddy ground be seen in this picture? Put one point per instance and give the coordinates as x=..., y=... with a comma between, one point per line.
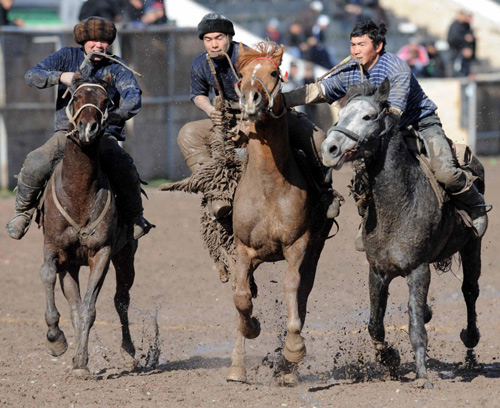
x=177, y=287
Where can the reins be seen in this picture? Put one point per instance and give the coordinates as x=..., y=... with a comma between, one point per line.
x=72, y=117
x=270, y=95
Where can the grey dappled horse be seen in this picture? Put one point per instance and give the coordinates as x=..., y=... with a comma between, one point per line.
x=405, y=229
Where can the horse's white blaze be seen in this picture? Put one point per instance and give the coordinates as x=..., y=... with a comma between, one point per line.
x=256, y=68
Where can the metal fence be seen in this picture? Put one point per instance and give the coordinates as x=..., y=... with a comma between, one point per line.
x=163, y=56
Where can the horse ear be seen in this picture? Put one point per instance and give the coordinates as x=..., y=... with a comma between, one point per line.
x=383, y=91
x=76, y=77
x=107, y=79
x=279, y=55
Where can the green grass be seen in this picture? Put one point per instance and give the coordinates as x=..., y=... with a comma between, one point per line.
x=157, y=182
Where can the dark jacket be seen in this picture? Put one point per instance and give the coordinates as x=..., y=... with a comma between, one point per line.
x=124, y=90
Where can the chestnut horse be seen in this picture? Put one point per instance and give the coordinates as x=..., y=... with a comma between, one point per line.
x=276, y=216
x=82, y=227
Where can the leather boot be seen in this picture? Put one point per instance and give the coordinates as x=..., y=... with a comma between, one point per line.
x=26, y=200
x=127, y=184
x=358, y=241
x=473, y=202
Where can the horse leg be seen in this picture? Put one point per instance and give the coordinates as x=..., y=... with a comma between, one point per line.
x=297, y=278
x=249, y=326
x=70, y=286
x=379, y=292
x=471, y=264
x=123, y=262
x=56, y=344
x=237, y=372
x=99, y=265
x=418, y=282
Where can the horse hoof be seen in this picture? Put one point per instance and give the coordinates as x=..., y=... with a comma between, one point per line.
x=289, y=380
x=470, y=339
x=81, y=372
x=129, y=361
x=423, y=383
x=252, y=330
x=58, y=347
x=237, y=374
x=389, y=357
x=294, y=351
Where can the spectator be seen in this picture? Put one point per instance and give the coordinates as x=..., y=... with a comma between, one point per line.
x=108, y=9
x=415, y=55
x=326, y=53
x=309, y=15
x=142, y=13
x=293, y=78
x=361, y=10
x=296, y=40
x=5, y=6
x=436, y=67
x=462, y=43
x=272, y=30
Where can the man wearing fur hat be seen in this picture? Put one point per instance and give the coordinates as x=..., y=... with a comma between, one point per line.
x=216, y=31
x=93, y=34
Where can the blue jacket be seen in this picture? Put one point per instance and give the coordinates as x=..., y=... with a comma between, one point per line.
x=406, y=93
x=124, y=90
x=202, y=80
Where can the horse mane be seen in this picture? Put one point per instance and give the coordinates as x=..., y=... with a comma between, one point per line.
x=361, y=89
x=80, y=80
x=266, y=49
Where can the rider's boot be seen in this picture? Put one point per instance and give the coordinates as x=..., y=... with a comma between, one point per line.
x=26, y=200
x=473, y=201
x=331, y=198
x=217, y=208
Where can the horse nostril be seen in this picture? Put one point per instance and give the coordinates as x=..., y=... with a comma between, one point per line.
x=333, y=150
x=94, y=127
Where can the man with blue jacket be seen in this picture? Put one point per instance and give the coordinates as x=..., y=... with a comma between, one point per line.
x=94, y=34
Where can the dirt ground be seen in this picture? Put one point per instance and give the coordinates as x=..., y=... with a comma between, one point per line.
x=177, y=287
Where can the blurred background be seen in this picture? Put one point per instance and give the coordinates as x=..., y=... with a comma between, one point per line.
x=450, y=45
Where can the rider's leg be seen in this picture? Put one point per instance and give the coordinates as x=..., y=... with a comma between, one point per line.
x=194, y=142
x=121, y=170
x=306, y=136
x=455, y=180
x=31, y=180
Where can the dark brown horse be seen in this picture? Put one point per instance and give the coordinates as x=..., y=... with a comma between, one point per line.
x=82, y=228
x=275, y=216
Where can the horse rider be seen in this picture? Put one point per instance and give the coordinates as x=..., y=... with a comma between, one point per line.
x=217, y=31
x=408, y=102
x=95, y=34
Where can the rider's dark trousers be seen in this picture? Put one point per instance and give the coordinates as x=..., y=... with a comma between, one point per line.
x=116, y=163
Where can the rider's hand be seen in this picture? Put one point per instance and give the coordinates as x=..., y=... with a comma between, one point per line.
x=216, y=117
x=113, y=119
x=67, y=78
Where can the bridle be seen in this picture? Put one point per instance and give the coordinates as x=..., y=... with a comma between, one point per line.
x=270, y=95
x=360, y=138
x=72, y=116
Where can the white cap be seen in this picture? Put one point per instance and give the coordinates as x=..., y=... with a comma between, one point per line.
x=317, y=6
x=323, y=20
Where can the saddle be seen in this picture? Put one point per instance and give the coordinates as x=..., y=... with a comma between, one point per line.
x=463, y=154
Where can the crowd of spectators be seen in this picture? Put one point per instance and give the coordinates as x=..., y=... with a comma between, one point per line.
x=134, y=13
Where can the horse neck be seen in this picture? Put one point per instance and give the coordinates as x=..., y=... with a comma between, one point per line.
x=80, y=168
x=392, y=173
x=268, y=148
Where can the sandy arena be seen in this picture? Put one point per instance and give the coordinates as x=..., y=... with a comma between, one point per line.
x=177, y=287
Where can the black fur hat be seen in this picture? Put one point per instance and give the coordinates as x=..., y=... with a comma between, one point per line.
x=94, y=29
x=215, y=23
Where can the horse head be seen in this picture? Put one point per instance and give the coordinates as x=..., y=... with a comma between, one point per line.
x=363, y=120
x=87, y=110
x=260, y=81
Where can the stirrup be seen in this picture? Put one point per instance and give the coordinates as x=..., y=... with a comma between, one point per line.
x=18, y=226
x=141, y=226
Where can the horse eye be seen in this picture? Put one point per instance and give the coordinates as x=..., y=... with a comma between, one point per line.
x=274, y=74
x=366, y=117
